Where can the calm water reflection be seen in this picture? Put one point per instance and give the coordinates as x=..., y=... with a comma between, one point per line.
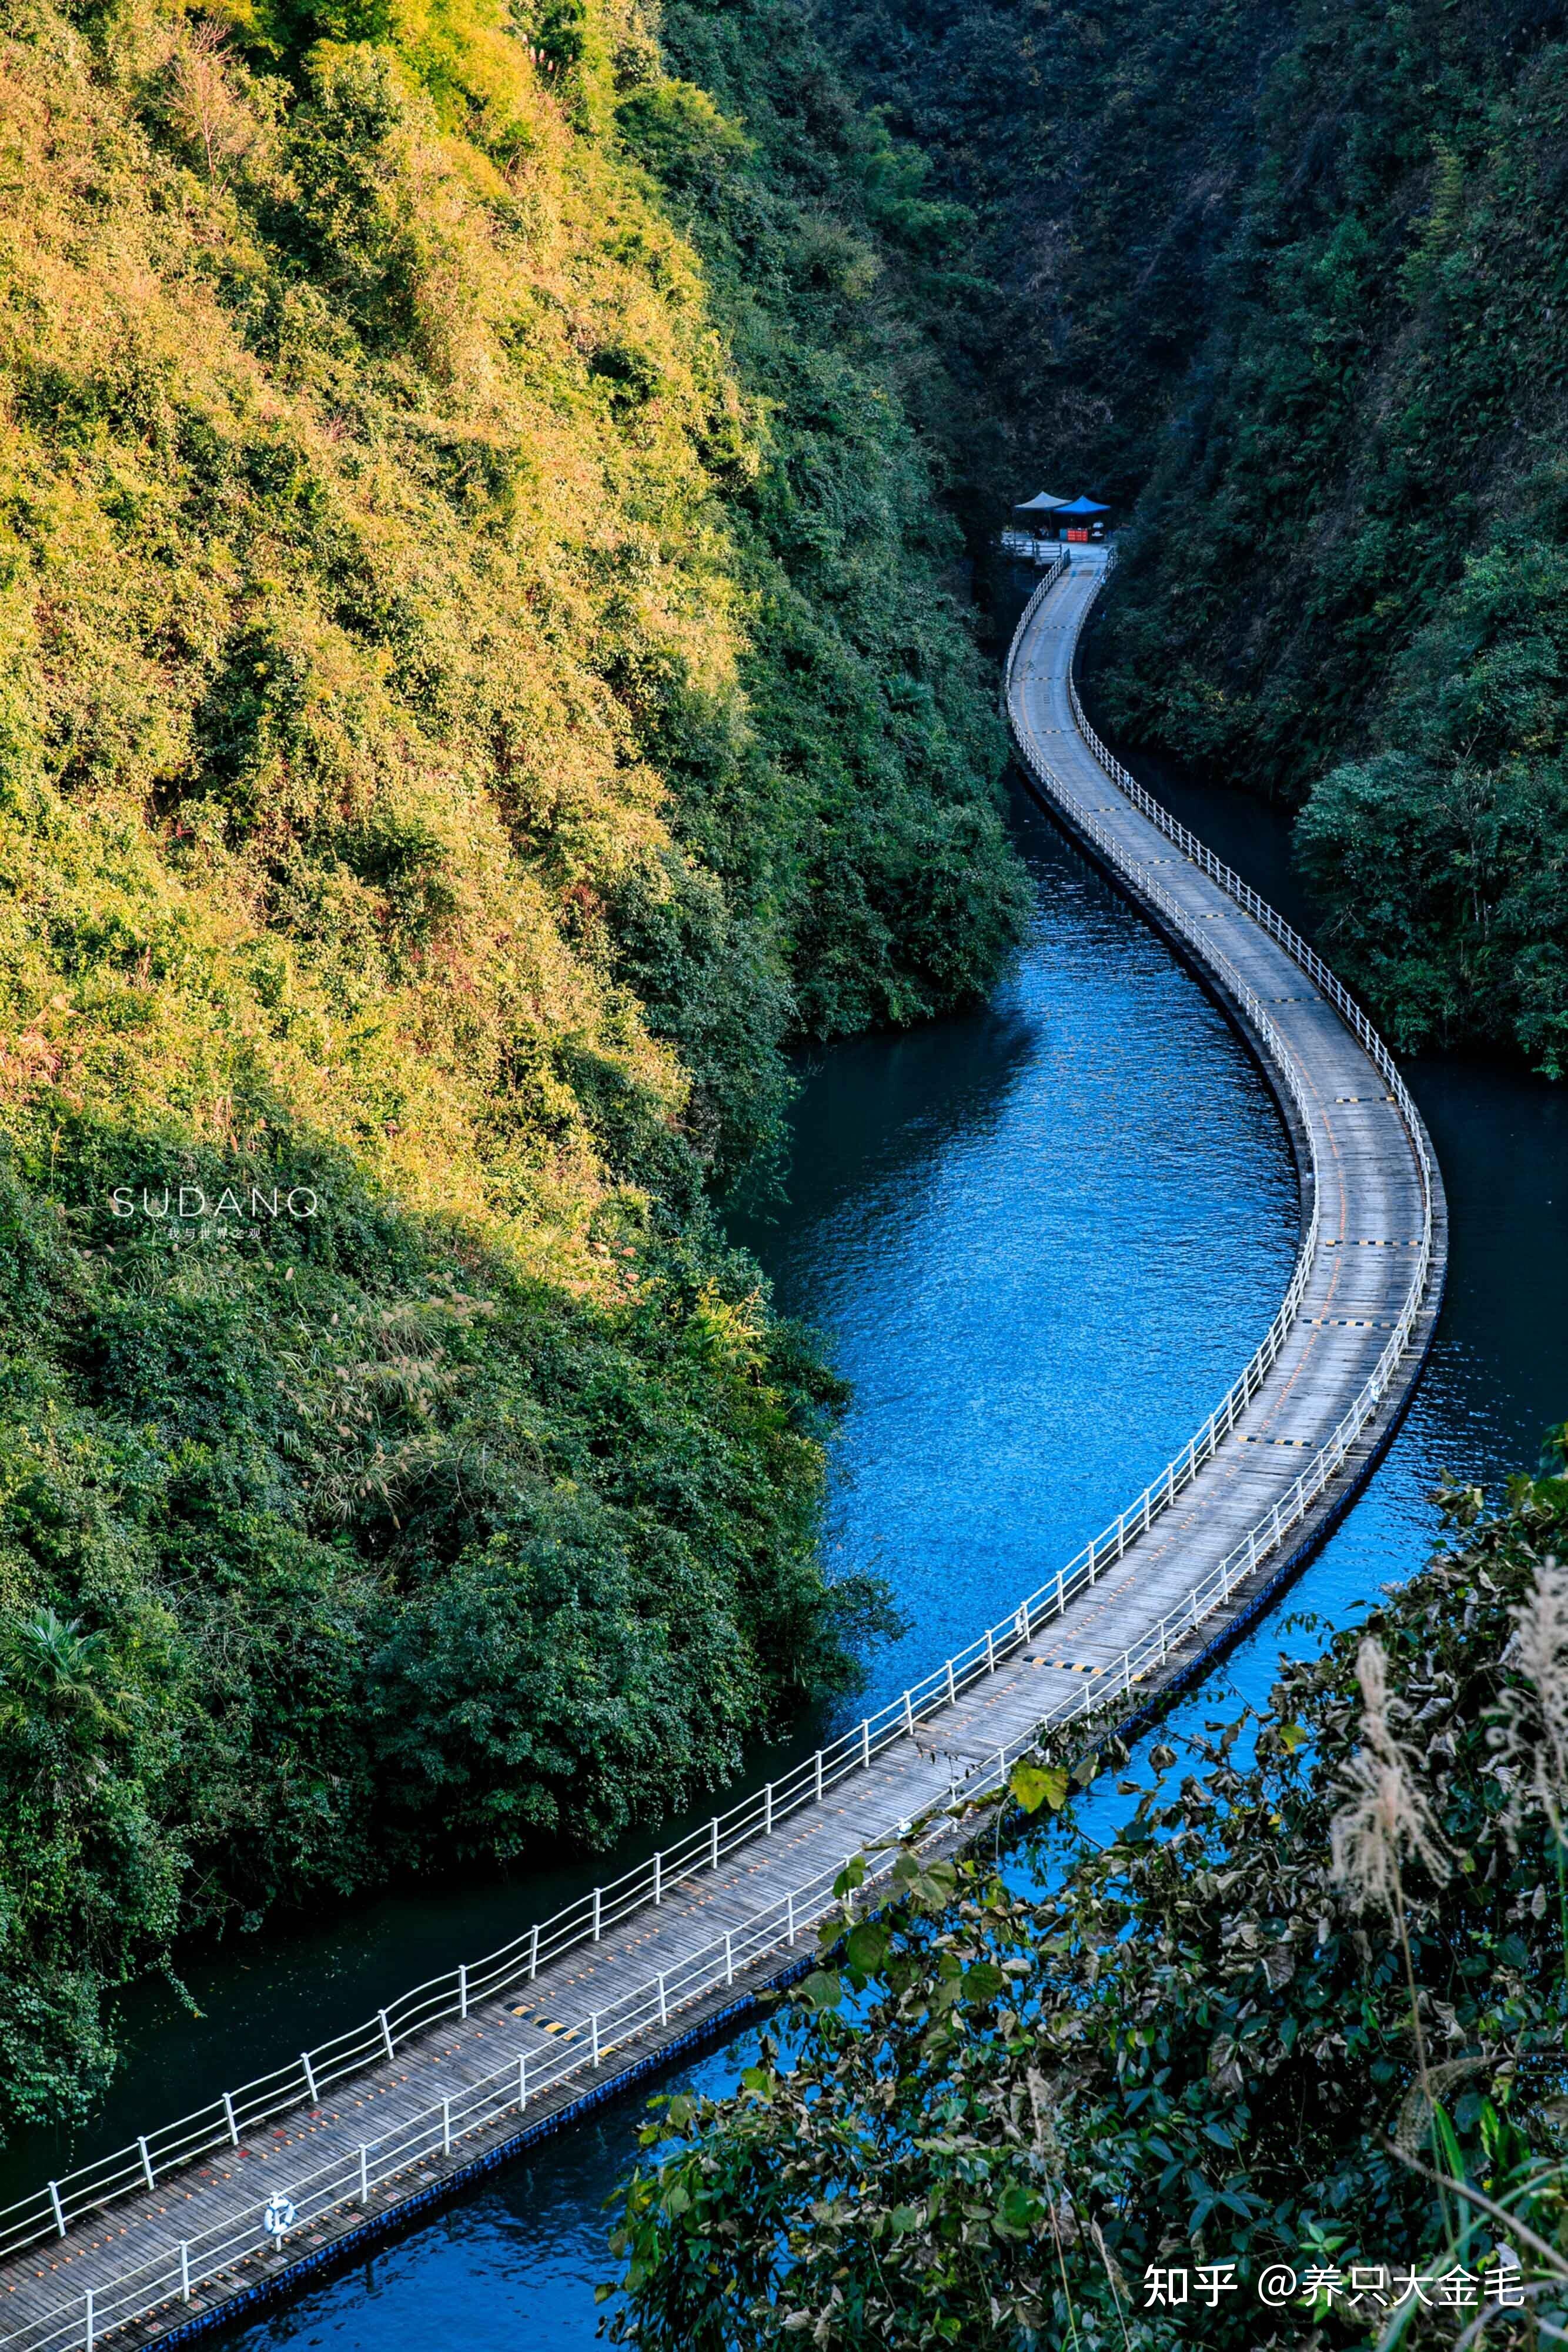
x=1044, y=1239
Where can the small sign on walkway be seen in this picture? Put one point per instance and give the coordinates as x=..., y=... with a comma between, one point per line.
x=278, y=2217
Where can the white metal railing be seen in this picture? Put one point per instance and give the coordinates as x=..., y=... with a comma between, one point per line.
x=1299, y=950
x=179, y=2269
x=49, y=2212
x=343, y=2186
x=1029, y=543
x=1329, y=1457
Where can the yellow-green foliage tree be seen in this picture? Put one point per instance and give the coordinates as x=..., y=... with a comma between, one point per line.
x=475, y=676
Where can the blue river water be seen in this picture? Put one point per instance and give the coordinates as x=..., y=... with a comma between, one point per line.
x=1044, y=1238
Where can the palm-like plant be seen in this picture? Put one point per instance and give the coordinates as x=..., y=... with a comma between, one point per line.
x=50, y=1658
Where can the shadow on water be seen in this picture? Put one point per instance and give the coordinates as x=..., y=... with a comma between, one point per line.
x=1039, y=1247
x=879, y=1112
x=1498, y=1376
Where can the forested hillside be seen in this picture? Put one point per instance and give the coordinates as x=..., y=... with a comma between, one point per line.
x=479, y=674
x=1291, y=278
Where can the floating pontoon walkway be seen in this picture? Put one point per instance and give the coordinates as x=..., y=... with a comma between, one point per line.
x=196, y=2221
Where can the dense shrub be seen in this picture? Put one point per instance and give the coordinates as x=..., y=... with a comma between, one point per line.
x=1291, y=1998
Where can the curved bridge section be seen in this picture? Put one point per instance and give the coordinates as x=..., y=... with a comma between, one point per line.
x=307, y=2164
x=1356, y=1321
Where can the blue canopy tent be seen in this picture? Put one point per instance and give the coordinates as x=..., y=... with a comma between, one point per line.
x=1082, y=517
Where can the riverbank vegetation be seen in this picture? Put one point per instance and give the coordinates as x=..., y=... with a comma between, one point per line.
x=1286, y=281
x=481, y=673
x=1305, y=2007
